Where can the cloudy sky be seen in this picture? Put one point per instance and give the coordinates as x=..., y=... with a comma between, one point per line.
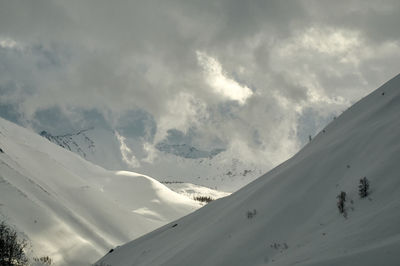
x=254, y=77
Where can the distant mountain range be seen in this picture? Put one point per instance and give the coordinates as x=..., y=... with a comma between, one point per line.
x=186, y=151
x=174, y=162
x=70, y=141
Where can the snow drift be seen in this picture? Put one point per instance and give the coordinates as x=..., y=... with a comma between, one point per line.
x=70, y=209
x=289, y=216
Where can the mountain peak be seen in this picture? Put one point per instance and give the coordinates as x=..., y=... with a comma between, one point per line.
x=289, y=215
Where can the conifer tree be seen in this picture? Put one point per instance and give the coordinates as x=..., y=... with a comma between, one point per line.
x=363, y=187
x=341, y=200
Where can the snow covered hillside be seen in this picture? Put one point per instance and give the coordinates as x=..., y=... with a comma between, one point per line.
x=70, y=209
x=99, y=146
x=194, y=191
x=289, y=216
x=220, y=172
x=215, y=169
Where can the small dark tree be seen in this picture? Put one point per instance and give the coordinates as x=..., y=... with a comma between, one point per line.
x=11, y=248
x=363, y=187
x=341, y=200
x=45, y=260
x=251, y=214
x=203, y=199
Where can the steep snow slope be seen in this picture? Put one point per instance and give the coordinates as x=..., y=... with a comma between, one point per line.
x=70, y=209
x=289, y=215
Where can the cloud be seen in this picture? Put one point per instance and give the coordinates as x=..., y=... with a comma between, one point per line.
x=127, y=155
x=9, y=43
x=223, y=85
x=256, y=77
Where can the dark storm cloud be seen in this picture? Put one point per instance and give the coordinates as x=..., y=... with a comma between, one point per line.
x=241, y=73
x=378, y=20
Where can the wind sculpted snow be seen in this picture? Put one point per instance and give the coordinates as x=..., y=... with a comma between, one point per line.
x=289, y=216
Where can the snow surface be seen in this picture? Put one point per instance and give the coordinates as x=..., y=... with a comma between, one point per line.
x=289, y=215
x=215, y=169
x=72, y=210
x=192, y=191
x=220, y=172
x=96, y=145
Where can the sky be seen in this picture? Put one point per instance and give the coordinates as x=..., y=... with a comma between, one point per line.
x=253, y=77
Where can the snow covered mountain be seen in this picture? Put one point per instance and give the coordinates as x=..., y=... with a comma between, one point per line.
x=99, y=146
x=186, y=151
x=220, y=172
x=70, y=209
x=290, y=216
x=173, y=163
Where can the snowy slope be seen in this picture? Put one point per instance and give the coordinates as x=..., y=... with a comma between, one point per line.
x=220, y=172
x=194, y=191
x=70, y=209
x=289, y=215
x=96, y=145
x=215, y=169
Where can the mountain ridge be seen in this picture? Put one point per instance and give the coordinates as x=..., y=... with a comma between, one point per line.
x=289, y=215
x=67, y=207
x=174, y=162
